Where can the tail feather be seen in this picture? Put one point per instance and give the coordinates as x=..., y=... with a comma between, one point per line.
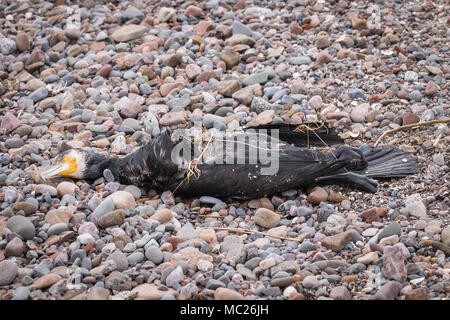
x=389, y=162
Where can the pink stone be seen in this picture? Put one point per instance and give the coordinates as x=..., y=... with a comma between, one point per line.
x=10, y=122
x=315, y=102
x=394, y=263
x=359, y=112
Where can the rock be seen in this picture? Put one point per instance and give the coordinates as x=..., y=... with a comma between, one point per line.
x=239, y=39
x=123, y=200
x=338, y=241
x=22, y=226
x=128, y=32
x=371, y=215
x=257, y=78
x=8, y=272
x=46, y=281
x=67, y=188
x=191, y=256
x=192, y=70
x=445, y=235
x=58, y=216
x=21, y=293
x=391, y=229
x=118, y=281
x=393, y=264
x=103, y=208
x=23, y=42
x=165, y=14
x=417, y=294
x=7, y=46
x=368, y=258
x=230, y=58
x=245, y=95
x=266, y=218
x=162, y=215
x=131, y=109
x=120, y=259
x=415, y=206
x=166, y=88
x=431, y=88
x=113, y=218
x=389, y=291
x=227, y=294
x=10, y=122
x=227, y=88
x=310, y=282
x=14, y=248
x=154, y=254
x=176, y=275
x=322, y=42
x=340, y=293
x=315, y=102
x=98, y=293
x=360, y=112
x=27, y=207
x=39, y=94
x=193, y=11
x=149, y=291
x=173, y=118
x=317, y=195
x=264, y=117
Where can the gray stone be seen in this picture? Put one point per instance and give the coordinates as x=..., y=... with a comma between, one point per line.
x=154, y=254
x=8, y=272
x=39, y=94
x=7, y=46
x=21, y=293
x=103, y=208
x=22, y=226
x=240, y=28
x=120, y=259
x=390, y=230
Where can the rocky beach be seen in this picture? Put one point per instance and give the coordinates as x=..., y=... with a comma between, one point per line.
x=112, y=75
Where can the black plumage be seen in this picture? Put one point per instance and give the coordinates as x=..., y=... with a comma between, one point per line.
x=151, y=166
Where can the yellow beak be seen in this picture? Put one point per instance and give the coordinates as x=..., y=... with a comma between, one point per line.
x=65, y=169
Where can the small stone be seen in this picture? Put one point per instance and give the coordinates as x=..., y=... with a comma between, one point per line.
x=154, y=254
x=22, y=226
x=317, y=195
x=409, y=118
x=113, y=218
x=368, y=258
x=239, y=39
x=340, y=293
x=162, y=215
x=315, y=102
x=389, y=291
x=120, y=259
x=393, y=263
x=131, y=109
x=66, y=187
x=391, y=229
x=7, y=46
x=98, y=293
x=445, y=235
x=310, y=282
x=128, y=32
x=266, y=218
x=431, y=88
x=149, y=291
x=14, y=248
x=118, y=281
x=123, y=200
x=46, y=281
x=10, y=122
x=58, y=216
x=227, y=294
x=417, y=294
x=227, y=88
x=193, y=11
x=191, y=256
x=23, y=42
x=371, y=215
x=338, y=241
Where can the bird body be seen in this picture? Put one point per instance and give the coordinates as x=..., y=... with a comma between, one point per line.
x=229, y=167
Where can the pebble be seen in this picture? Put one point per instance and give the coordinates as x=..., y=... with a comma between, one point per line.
x=22, y=226
x=8, y=272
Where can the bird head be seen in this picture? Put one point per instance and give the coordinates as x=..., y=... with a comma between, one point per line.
x=76, y=163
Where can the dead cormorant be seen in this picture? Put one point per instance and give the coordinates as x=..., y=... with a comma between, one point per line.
x=239, y=175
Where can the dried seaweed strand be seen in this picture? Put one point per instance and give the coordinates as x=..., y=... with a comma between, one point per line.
x=239, y=230
x=419, y=124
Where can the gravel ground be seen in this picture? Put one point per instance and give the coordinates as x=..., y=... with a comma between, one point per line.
x=112, y=74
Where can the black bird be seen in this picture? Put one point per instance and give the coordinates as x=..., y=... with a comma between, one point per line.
x=153, y=166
